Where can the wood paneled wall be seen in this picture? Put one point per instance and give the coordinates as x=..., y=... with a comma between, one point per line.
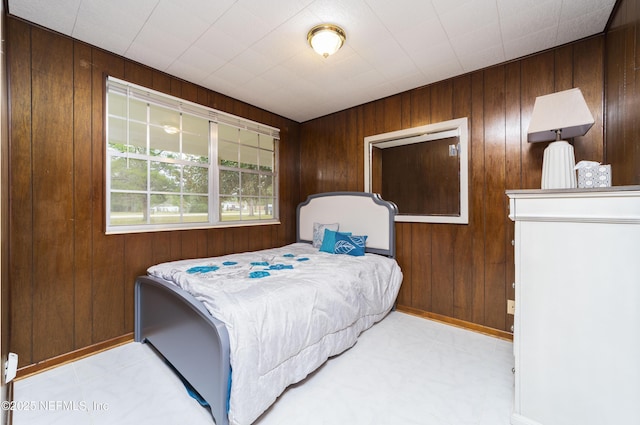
x=623, y=94
x=463, y=272
x=71, y=285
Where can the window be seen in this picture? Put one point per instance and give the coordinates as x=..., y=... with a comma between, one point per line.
x=172, y=164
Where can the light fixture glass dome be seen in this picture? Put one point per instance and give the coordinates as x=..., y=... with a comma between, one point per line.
x=326, y=39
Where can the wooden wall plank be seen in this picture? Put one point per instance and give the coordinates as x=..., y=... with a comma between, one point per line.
x=107, y=254
x=563, y=69
x=194, y=244
x=442, y=101
x=309, y=153
x=215, y=243
x=82, y=193
x=20, y=191
x=629, y=161
x=420, y=106
x=588, y=75
x=240, y=237
x=371, y=125
x=615, y=50
x=418, y=273
x=288, y=179
x=404, y=258
x=513, y=169
x=622, y=93
x=340, y=160
x=463, y=250
x=137, y=74
x=494, y=153
x=406, y=115
x=391, y=113
x=477, y=206
x=52, y=156
x=355, y=152
x=537, y=79
x=137, y=257
x=189, y=92
x=634, y=20
x=442, y=263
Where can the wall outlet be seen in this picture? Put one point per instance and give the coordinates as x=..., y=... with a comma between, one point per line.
x=511, y=307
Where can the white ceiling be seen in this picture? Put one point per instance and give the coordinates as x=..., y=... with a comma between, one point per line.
x=256, y=50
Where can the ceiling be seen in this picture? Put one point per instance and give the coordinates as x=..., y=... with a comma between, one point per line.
x=256, y=50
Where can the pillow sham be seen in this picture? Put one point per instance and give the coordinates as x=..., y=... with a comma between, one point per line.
x=350, y=244
x=329, y=240
x=318, y=232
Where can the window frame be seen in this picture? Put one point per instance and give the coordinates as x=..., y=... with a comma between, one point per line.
x=456, y=127
x=215, y=119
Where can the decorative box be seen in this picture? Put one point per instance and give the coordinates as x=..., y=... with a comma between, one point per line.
x=594, y=176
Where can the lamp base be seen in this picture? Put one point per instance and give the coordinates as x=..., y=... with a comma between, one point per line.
x=558, y=166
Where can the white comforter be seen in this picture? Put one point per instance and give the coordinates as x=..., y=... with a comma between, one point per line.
x=287, y=310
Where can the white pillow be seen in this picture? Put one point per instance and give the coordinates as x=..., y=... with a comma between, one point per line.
x=318, y=232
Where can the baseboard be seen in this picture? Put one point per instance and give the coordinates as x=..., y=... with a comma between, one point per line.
x=35, y=368
x=457, y=322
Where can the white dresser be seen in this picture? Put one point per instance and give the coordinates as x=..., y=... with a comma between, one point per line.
x=577, y=316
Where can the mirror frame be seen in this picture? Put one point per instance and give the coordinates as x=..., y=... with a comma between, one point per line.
x=417, y=135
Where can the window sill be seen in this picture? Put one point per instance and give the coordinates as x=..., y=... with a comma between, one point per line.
x=151, y=229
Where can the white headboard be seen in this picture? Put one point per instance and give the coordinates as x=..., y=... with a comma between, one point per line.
x=361, y=213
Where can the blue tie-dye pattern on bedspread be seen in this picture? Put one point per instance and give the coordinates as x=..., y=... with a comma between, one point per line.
x=253, y=274
x=280, y=267
x=202, y=269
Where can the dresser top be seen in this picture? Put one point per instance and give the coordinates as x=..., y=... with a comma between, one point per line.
x=578, y=193
x=618, y=204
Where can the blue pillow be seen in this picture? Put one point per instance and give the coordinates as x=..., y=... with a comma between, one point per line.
x=350, y=245
x=329, y=240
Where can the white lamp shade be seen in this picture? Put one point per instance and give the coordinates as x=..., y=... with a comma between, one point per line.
x=566, y=111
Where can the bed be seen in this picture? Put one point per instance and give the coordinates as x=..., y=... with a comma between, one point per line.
x=241, y=328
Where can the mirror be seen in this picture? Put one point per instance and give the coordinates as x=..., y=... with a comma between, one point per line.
x=423, y=170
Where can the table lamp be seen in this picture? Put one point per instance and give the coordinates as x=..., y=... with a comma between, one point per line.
x=559, y=116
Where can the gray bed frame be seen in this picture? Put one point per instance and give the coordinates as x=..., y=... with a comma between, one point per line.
x=196, y=344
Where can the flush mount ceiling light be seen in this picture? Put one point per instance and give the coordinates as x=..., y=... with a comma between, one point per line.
x=326, y=39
